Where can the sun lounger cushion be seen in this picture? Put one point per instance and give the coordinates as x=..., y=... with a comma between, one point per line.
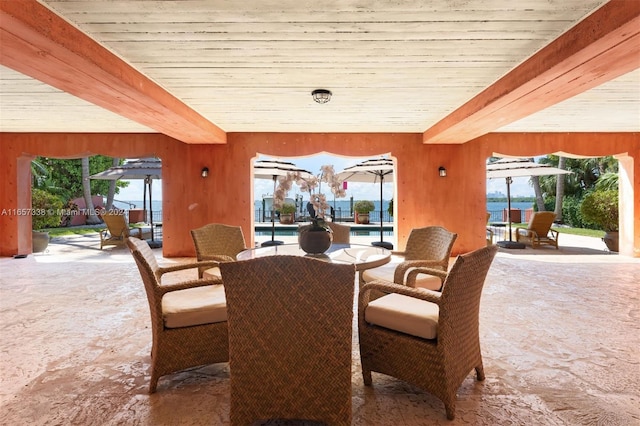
x=194, y=306
x=405, y=314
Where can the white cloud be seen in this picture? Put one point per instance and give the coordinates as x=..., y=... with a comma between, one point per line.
x=519, y=188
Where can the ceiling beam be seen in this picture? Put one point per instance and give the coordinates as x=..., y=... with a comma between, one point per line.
x=602, y=47
x=36, y=42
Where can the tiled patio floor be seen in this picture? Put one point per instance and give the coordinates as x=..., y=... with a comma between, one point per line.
x=560, y=332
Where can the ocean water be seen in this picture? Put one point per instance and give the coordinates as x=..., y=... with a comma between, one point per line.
x=342, y=208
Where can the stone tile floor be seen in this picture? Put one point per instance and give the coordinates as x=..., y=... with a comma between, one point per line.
x=560, y=332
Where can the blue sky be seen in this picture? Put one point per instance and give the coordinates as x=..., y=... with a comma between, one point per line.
x=519, y=187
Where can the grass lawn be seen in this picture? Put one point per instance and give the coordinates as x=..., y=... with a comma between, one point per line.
x=573, y=231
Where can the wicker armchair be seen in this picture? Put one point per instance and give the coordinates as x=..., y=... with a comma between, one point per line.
x=188, y=319
x=341, y=233
x=426, y=247
x=290, y=324
x=219, y=242
x=424, y=337
x=539, y=230
x=117, y=230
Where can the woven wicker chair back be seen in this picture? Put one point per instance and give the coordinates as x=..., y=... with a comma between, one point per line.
x=430, y=243
x=175, y=349
x=461, y=291
x=290, y=336
x=541, y=222
x=218, y=239
x=341, y=233
x=439, y=365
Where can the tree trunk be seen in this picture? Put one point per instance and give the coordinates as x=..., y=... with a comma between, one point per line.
x=112, y=187
x=92, y=218
x=560, y=189
x=535, y=181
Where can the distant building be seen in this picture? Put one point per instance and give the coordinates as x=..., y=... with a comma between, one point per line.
x=496, y=194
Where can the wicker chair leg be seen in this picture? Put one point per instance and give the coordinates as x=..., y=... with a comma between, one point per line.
x=366, y=377
x=153, y=382
x=451, y=410
x=480, y=373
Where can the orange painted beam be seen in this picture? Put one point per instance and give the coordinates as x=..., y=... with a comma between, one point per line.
x=36, y=42
x=603, y=46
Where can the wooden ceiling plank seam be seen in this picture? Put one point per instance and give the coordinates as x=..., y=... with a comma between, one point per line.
x=52, y=37
x=596, y=36
x=531, y=98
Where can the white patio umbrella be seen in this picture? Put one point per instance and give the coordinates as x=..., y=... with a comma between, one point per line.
x=271, y=169
x=143, y=168
x=509, y=168
x=374, y=170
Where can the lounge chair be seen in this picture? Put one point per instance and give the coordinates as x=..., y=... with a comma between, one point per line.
x=539, y=230
x=426, y=247
x=188, y=319
x=117, y=230
x=427, y=338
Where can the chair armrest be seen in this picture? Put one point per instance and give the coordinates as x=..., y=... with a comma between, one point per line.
x=554, y=234
x=399, y=253
x=218, y=258
x=413, y=274
x=166, y=288
x=388, y=287
x=182, y=266
x=402, y=268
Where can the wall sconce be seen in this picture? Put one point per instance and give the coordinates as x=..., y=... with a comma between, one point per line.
x=205, y=172
x=442, y=172
x=321, y=96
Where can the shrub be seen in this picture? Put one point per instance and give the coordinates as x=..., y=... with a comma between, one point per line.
x=601, y=209
x=287, y=208
x=47, y=209
x=363, y=206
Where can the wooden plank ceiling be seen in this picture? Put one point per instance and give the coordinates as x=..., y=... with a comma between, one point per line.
x=411, y=66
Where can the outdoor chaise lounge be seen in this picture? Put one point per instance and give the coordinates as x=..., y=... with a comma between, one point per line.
x=539, y=230
x=117, y=230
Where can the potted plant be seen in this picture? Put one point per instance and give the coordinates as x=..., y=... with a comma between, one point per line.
x=287, y=213
x=600, y=208
x=46, y=212
x=362, y=208
x=315, y=238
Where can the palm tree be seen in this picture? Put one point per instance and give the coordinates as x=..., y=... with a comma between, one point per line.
x=92, y=218
x=112, y=187
x=560, y=189
x=535, y=182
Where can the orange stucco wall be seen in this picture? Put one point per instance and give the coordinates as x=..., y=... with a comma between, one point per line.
x=456, y=202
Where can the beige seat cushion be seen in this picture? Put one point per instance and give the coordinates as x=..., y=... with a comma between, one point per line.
x=405, y=314
x=194, y=306
x=385, y=272
x=212, y=273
